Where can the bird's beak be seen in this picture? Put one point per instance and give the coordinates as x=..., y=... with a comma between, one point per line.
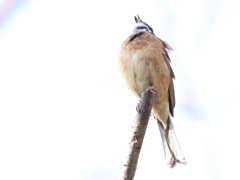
x=137, y=19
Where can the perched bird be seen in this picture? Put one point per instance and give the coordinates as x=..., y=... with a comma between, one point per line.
x=144, y=62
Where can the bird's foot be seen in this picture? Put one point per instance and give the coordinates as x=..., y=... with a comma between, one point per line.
x=152, y=88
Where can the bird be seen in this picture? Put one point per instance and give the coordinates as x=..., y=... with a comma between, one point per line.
x=144, y=62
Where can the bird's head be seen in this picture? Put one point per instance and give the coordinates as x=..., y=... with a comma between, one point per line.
x=141, y=26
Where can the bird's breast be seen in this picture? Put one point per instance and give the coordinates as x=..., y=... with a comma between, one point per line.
x=142, y=65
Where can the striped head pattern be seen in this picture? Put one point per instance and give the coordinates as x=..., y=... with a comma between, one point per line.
x=142, y=26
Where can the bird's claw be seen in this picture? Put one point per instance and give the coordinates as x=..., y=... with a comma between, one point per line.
x=152, y=88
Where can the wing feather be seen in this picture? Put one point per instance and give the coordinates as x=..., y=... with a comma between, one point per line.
x=171, y=92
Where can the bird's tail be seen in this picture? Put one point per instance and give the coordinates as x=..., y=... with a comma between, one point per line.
x=172, y=150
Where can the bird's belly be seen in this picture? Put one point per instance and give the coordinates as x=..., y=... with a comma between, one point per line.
x=141, y=72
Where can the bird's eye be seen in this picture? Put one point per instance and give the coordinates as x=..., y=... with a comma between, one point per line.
x=142, y=27
x=149, y=27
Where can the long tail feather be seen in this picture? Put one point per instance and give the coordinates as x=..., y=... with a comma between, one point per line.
x=172, y=150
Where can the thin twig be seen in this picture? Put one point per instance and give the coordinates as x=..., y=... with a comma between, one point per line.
x=140, y=126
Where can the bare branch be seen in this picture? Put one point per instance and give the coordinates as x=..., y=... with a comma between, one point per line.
x=140, y=126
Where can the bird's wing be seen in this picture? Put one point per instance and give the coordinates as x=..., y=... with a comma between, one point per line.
x=171, y=93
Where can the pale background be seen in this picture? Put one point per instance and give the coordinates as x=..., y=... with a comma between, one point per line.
x=65, y=112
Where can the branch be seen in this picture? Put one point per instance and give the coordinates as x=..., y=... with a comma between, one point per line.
x=140, y=126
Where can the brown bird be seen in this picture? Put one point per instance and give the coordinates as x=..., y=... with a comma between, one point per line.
x=144, y=62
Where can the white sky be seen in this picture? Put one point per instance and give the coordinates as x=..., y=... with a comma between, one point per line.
x=65, y=112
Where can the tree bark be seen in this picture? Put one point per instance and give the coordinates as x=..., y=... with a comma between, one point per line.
x=140, y=126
